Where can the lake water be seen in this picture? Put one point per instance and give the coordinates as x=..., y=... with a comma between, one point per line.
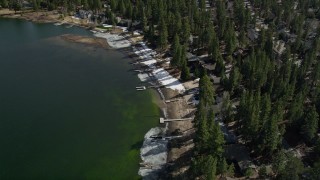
x=67, y=111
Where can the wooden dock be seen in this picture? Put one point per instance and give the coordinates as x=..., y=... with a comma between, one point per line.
x=163, y=120
x=172, y=100
x=141, y=88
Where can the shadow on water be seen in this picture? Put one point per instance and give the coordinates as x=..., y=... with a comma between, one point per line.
x=137, y=145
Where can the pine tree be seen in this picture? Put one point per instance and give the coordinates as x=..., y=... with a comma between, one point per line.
x=122, y=7
x=185, y=72
x=113, y=4
x=222, y=167
x=163, y=35
x=4, y=3
x=235, y=78
x=144, y=21
x=35, y=5
x=214, y=48
x=265, y=109
x=231, y=170
x=296, y=110
x=177, y=58
x=211, y=168
x=315, y=171
x=206, y=91
x=97, y=5
x=202, y=135
x=220, y=68
x=271, y=137
x=129, y=11
x=186, y=30
x=293, y=169
x=310, y=126
x=216, y=139
x=263, y=171
x=177, y=23
x=279, y=162
x=221, y=18
x=177, y=50
x=85, y=4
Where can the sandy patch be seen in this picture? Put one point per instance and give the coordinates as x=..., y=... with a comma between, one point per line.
x=98, y=42
x=6, y=12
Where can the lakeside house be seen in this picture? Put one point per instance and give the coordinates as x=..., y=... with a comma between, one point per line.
x=83, y=14
x=26, y=4
x=279, y=47
x=252, y=34
x=239, y=154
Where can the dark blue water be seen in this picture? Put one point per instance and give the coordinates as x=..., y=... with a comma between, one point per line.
x=67, y=111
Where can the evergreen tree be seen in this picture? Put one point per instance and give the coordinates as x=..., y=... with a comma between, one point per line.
x=177, y=51
x=216, y=139
x=222, y=167
x=235, y=78
x=220, y=68
x=113, y=4
x=206, y=91
x=279, y=162
x=122, y=7
x=163, y=35
x=144, y=21
x=185, y=72
x=35, y=5
x=4, y=3
x=310, y=126
x=177, y=23
x=16, y=6
x=211, y=168
x=315, y=171
x=231, y=170
x=213, y=50
x=203, y=134
x=186, y=31
x=263, y=171
x=293, y=169
x=97, y=5
x=271, y=137
x=85, y=4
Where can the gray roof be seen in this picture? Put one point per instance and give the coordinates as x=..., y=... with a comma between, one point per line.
x=191, y=57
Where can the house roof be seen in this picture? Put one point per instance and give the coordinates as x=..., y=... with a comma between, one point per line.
x=252, y=34
x=192, y=58
x=239, y=153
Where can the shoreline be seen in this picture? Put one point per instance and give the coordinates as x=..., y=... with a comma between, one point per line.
x=167, y=90
x=45, y=17
x=166, y=157
x=176, y=105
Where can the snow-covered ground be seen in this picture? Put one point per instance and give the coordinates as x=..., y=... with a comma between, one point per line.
x=114, y=40
x=163, y=77
x=167, y=80
x=143, y=77
x=153, y=154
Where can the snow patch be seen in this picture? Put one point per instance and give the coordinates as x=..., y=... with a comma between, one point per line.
x=167, y=80
x=114, y=40
x=153, y=154
x=143, y=77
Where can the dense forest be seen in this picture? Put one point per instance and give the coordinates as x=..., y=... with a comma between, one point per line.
x=272, y=50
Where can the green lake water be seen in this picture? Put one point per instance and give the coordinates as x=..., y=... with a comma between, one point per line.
x=67, y=111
